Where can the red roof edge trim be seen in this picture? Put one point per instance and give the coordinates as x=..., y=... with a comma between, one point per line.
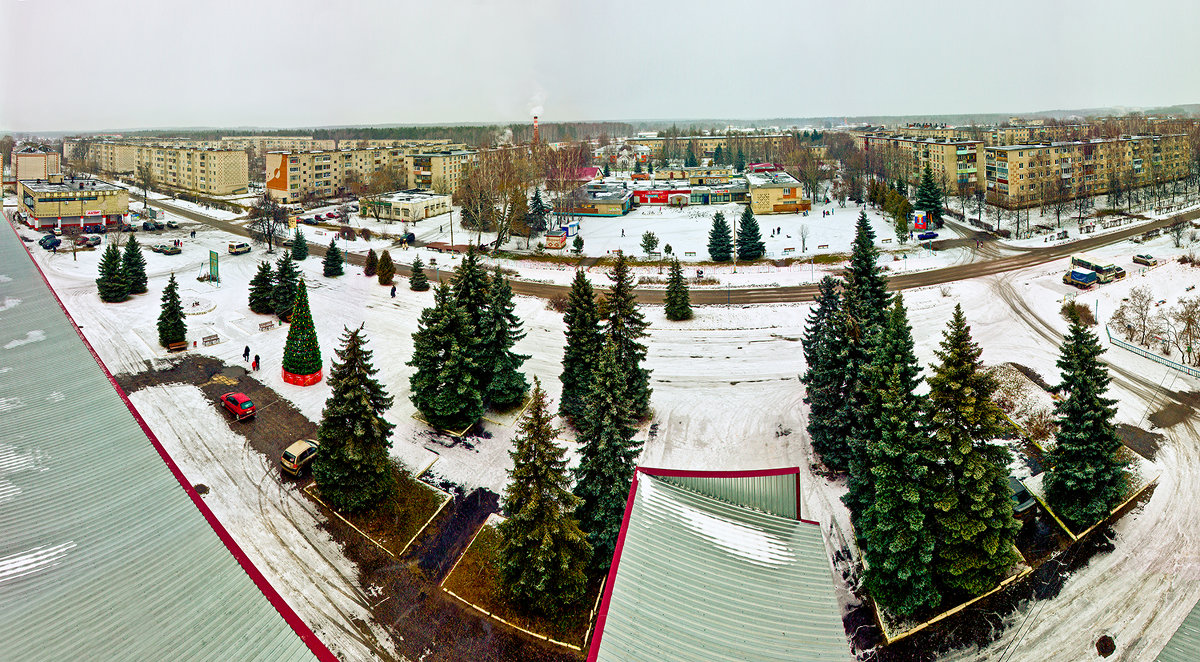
x=602, y=615
x=293, y=619
x=750, y=473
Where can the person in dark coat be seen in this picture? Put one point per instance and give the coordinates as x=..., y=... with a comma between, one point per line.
x=246, y=353
x=393, y=291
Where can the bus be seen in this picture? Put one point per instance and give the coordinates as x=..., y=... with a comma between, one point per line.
x=1106, y=271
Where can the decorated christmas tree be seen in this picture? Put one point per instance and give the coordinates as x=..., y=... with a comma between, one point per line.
x=111, y=284
x=261, y=288
x=302, y=353
x=171, y=327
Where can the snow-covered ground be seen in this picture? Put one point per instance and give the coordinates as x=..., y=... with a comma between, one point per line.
x=726, y=396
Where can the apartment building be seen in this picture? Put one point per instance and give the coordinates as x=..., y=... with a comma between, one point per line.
x=941, y=131
x=1031, y=134
x=955, y=164
x=202, y=170
x=440, y=171
x=32, y=163
x=294, y=176
x=1019, y=176
x=706, y=146
x=58, y=202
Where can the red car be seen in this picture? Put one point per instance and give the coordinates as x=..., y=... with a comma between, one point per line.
x=331, y=215
x=238, y=404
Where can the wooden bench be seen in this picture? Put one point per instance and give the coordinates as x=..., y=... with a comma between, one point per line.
x=177, y=346
x=211, y=340
x=266, y=326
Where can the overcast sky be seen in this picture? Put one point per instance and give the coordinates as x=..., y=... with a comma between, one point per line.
x=116, y=64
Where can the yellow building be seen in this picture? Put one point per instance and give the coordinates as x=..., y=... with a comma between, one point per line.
x=1031, y=175
x=58, y=202
x=440, y=171
x=295, y=176
x=33, y=163
x=412, y=205
x=775, y=193
x=706, y=146
x=955, y=164
x=206, y=171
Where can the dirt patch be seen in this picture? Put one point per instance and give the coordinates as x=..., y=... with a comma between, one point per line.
x=398, y=517
x=1033, y=376
x=1173, y=414
x=1142, y=442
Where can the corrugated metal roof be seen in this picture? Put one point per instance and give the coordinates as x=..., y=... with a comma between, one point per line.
x=102, y=555
x=1184, y=645
x=773, y=493
x=698, y=578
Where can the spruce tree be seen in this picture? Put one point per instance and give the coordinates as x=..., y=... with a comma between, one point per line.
x=720, y=242
x=301, y=352
x=543, y=554
x=929, y=197
x=112, y=285
x=418, y=282
x=471, y=287
x=824, y=378
x=718, y=156
x=539, y=211
x=678, y=301
x=864, y=277
x=896, y=535
x=584, y=341
x=352, y=468
x=740, y=163
x=750, y=245
x=262, y=288
x=607, y=171
x=299, y=246
x=625, y=328
x=133, y=266
x=1087, y=474
x=371, y=264
x=608, y=457
x=287, y=279
x=331, y=265
x=171, y=327
x=973, y=511
x=445, y=387
x=649, y=167
x=386, y=269
x=689, y=160
x=637, y=166
x=504, y=385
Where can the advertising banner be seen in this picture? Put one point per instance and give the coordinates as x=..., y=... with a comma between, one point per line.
x=919, y=222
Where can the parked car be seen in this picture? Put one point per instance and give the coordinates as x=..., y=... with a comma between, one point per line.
x=49, y=241
x=1023, y=501
x=308, y=221
x=126, y=227
x=151, y=225
x=354, y=208
x=238, y=247
x=1145, y=259
x=1082, y=278
x=238, y=404
x=1119, y=273
x=94, y=229
x=56, y=232
x=173, y=225
x=297, y=458
x=170, y=250
x=331, y=215
x=87, y=240
x=927, y=235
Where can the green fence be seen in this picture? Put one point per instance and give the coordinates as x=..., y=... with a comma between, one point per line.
x=1194, y=372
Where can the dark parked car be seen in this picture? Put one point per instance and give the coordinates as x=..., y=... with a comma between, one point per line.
x=87, y=240
x=151, y=225
x=49, y=241
x=238, y=404
x=1023, y=501
x=927, y=235
x=308, y=221
x=126, y=227
x=94, y=229
x=172, y=224
x=297, y=458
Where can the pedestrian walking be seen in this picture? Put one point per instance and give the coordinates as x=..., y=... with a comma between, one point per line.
x=193, y=234
x=255, y=365
x=246, y=353
x=393, y=291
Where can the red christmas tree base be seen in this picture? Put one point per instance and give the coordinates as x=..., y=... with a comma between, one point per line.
x=302, y=380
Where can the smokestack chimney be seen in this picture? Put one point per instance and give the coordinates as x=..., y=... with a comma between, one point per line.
x=535, y=129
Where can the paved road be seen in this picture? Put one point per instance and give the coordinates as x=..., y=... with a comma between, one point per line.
x=1029, y=257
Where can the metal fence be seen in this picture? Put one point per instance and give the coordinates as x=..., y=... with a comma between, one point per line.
x=1194, y=372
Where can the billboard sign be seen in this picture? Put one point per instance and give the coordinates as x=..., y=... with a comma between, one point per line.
x=919, y=222
x=212, y=267
x=92, y=212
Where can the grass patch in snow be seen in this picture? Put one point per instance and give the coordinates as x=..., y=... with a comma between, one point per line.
x=476, y=579
x=394, y=521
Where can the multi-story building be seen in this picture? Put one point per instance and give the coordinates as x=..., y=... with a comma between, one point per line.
x=775, y=193
x=1020, y=176
x=1028, y=134
x=941, y=131
x=706, y=146
x=58, y=202
x=410, y=205
x=955, y=164
x=206, y=171
x=438, y=171
x=34, y=163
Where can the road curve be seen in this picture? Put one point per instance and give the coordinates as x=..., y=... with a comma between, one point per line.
x=789, y=293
